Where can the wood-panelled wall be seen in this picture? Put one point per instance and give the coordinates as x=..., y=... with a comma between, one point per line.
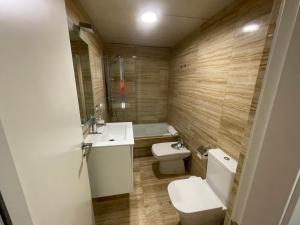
x=76, y=14
x=213, y=77
x=146, y=80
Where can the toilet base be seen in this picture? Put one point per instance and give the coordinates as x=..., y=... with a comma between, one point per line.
x=209, y=217
x=172, y=166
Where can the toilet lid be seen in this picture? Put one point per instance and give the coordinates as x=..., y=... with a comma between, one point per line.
x=165, y=149
x=193, y=195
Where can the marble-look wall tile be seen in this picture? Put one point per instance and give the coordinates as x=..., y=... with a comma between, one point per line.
x=246, y=58
x=254, y=102
x=146, y=82
x=213, y=78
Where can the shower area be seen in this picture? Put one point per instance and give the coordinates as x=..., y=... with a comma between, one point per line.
x=121, y=88
x=137, y=91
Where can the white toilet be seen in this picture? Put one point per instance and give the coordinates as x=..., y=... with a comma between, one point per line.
x=204, y=202
x=170, y=159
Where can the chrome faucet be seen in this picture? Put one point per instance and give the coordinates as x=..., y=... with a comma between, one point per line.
x=180, y=142
x=95, y=124
x=178, y=145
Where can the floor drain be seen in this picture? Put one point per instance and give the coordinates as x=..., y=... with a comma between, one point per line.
x=111, y=139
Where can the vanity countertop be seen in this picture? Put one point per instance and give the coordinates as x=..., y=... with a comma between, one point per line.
x=112, y=134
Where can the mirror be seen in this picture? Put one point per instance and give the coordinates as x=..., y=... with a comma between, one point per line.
x=82, y=71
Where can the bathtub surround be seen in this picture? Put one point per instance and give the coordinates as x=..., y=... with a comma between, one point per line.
x=146, y=80
x=213, y=77
x=152, y=130
x=145, y=135
x=76, y=14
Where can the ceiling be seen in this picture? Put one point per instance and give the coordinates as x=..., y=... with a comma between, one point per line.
x=118, y=21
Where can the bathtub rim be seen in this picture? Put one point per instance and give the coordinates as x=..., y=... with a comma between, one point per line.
x=156, y=136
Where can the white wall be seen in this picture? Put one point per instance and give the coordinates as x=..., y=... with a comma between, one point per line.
x=40, y=115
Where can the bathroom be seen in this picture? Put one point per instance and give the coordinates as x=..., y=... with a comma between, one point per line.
x=149, y=112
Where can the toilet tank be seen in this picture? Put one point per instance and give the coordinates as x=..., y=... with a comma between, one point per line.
x=220, y=173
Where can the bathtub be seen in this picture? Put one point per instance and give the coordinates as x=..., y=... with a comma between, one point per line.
x=145, y=135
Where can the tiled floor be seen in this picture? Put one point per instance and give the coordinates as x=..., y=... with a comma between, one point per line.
x=147, y=205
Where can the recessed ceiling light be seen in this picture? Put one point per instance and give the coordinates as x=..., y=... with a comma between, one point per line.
x=250, y=28
x=149, y=17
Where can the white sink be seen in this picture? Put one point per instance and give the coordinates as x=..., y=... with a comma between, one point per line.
x=114, y=146
x=112, y=134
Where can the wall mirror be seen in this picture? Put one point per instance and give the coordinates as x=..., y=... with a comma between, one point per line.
x=82, y=71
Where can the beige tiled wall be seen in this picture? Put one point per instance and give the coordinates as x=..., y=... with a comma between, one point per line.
x=254, y=102
x=146, y=80
x=213, y=78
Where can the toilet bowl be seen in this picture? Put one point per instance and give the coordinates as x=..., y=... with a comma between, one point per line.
x=170, y=159
x=204, y=202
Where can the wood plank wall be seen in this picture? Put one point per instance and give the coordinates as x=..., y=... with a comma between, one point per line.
x=76, y=14
x=146, y=80
x=213, y=77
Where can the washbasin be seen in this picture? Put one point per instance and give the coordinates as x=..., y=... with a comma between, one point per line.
x=113, y=146
x=112, y=134
x=94, y=138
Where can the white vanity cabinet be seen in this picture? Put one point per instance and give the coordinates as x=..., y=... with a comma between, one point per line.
x=110, y=161
x=111, y=170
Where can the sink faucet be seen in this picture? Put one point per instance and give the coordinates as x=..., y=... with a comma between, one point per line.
x=95, y=124
x=180, y=143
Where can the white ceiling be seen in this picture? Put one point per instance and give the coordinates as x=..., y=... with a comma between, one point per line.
x=117, y=21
